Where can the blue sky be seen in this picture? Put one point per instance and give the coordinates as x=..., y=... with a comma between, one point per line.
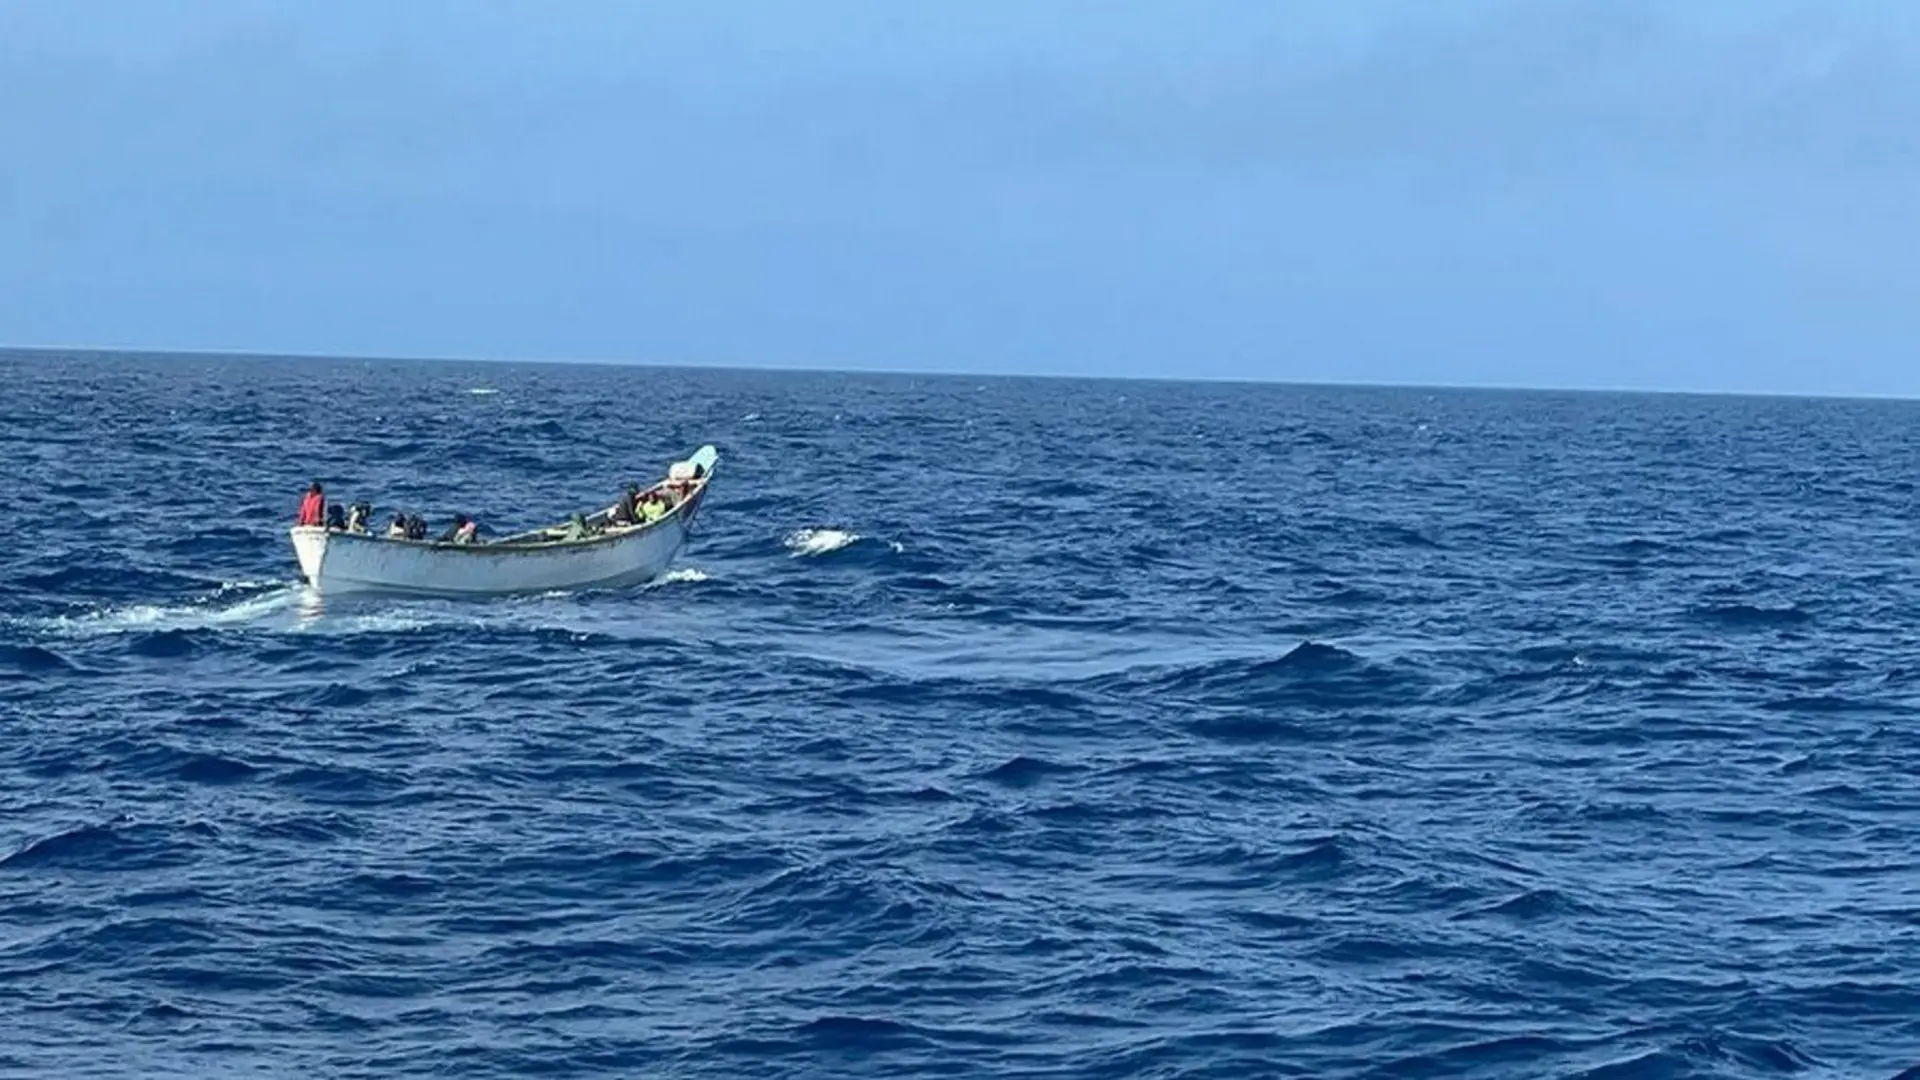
x=1709, y=194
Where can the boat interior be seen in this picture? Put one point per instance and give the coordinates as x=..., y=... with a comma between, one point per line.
x=681, y=490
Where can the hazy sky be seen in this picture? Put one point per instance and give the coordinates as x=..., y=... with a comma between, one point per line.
x=1714, y=194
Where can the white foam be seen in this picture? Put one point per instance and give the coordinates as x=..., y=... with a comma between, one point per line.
x=395, y=621
x=484, y=391
x=820, y=541
x=286, y=608
x=239, y=586
x=201, y=616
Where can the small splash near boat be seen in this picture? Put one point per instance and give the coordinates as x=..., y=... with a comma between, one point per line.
x=686, y=574
x=824, y=541
x=820, y=541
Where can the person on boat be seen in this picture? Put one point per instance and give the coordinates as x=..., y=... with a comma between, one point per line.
x=416, y=528
x=654, y=508
x=626, y=510
x=313, y=508
x=397, y=530
x=336, y=518
x=463, y=531
x=357, y=516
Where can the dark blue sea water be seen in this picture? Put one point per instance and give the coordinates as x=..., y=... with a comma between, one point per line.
x=986, y=728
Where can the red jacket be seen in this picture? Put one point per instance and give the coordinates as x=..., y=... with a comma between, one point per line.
x=313, y=508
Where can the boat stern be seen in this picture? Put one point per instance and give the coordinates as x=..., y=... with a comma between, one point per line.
x=310, y=547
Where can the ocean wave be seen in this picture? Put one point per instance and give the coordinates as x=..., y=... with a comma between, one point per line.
x=1048, y=745
x=1754, y=616
x=1023, y=771
x=33, y=661
x=118, y=845
x=1310, y=674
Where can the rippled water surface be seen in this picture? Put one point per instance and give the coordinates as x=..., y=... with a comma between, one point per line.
x=986, y=727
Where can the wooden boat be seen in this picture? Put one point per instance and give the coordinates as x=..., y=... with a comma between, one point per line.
x=588, y=552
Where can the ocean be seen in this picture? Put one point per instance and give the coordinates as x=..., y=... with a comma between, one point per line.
x=986, y=727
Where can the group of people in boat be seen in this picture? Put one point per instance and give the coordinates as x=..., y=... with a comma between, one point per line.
x=634, y=508
x=464, y=529
x=315, y=510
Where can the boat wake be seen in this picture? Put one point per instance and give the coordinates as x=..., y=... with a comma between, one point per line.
x=270, y=607
x=285, y=607
x=257, y=603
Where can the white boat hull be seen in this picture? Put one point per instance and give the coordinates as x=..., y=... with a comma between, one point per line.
x=343, y=562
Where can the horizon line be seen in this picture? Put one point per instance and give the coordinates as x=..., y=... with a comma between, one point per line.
x=1205, y=380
